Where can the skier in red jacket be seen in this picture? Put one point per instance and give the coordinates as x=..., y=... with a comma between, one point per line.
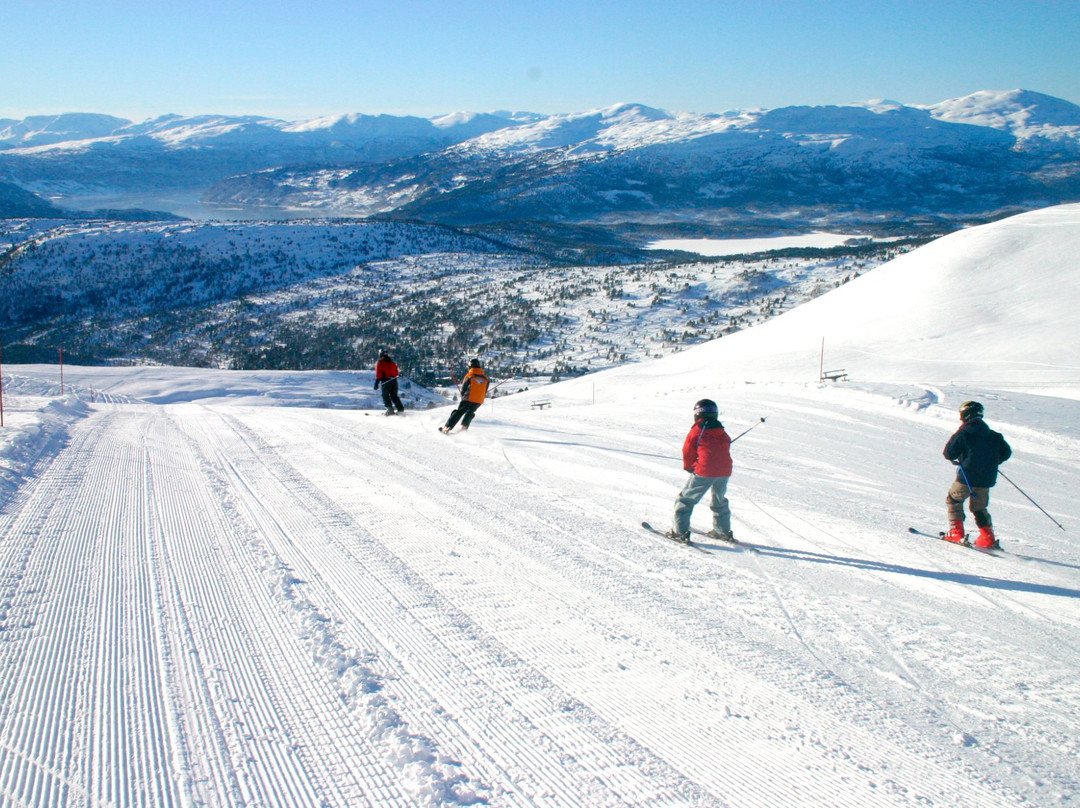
x=707, y=456
x=386, y=374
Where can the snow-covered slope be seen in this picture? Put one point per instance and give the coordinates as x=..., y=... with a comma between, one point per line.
x=224, y=604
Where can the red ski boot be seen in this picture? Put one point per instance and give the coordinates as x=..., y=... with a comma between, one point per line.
x=986, y=539
x=956, y=532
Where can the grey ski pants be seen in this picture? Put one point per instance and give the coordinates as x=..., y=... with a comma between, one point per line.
x=980, y=499
x=696, y=487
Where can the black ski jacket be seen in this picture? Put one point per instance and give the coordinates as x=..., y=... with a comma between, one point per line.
x=978, y=450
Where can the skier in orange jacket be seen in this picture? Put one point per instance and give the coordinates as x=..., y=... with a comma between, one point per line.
x=473, y=392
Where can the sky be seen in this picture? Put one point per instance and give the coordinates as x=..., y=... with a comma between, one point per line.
x=139, y=59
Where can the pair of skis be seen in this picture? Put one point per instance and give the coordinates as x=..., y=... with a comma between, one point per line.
x=965, y=543
x=992, y=551
x=686, y=542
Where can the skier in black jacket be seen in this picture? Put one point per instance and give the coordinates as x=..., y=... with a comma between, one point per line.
x=977, y=451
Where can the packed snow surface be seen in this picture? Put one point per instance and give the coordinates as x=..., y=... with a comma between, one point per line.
x=215, y=599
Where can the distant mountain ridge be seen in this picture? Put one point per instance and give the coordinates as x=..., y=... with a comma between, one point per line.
x=1025, y=114
x=1022, y=113
x=986, y=152
x=43, y=130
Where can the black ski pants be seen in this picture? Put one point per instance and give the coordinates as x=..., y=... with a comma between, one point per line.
x=390, y=396
x=465, y=411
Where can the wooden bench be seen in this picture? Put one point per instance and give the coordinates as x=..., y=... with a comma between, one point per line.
x=539, y=405
x=834, y=375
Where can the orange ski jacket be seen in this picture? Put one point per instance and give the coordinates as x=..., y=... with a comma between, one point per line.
x=474, y=386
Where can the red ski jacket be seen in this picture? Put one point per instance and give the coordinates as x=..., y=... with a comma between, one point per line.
x=385, y=369
x=707, y=450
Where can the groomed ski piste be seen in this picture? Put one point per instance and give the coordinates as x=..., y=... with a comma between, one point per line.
x=208, y=597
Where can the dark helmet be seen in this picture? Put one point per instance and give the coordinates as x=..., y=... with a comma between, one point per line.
x=706, y=408
x=971, y=409
x=474, y=363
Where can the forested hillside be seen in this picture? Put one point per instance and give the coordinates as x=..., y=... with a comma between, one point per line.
x=330, y=295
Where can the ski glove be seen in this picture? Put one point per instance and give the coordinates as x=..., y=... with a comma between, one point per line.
x=376, y=384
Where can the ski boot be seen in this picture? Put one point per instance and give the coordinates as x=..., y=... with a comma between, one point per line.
x=986, y=539
x=722, y=535
x=445, y=430
x=683, y=537
x=956, y=532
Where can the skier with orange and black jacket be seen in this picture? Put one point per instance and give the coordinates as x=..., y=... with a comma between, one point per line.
x=473, y=392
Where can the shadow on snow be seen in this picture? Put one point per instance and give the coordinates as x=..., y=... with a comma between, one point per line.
x=899, y=569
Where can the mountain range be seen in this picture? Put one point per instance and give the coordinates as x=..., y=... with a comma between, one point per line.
x=980, y=155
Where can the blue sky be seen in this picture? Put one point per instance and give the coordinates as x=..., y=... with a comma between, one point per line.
x=293, y=60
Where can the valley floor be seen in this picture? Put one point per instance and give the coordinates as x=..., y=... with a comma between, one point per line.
x=233, y=605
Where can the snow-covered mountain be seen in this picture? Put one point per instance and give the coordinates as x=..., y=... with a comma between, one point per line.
x=42, y=130
x=85, y=156
x=76, y=131
x=984, y=153
x=219, y=599
x=635, y=163
x=1033, y=118
x=621, y=126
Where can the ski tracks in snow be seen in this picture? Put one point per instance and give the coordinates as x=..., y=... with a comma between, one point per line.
x=957, y=666
x=231, y=606
x=81, y=721
x=159, y=653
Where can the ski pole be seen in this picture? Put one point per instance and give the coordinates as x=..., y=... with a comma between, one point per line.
x=964, y=475
x=759, y=423
x=1033, y=502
